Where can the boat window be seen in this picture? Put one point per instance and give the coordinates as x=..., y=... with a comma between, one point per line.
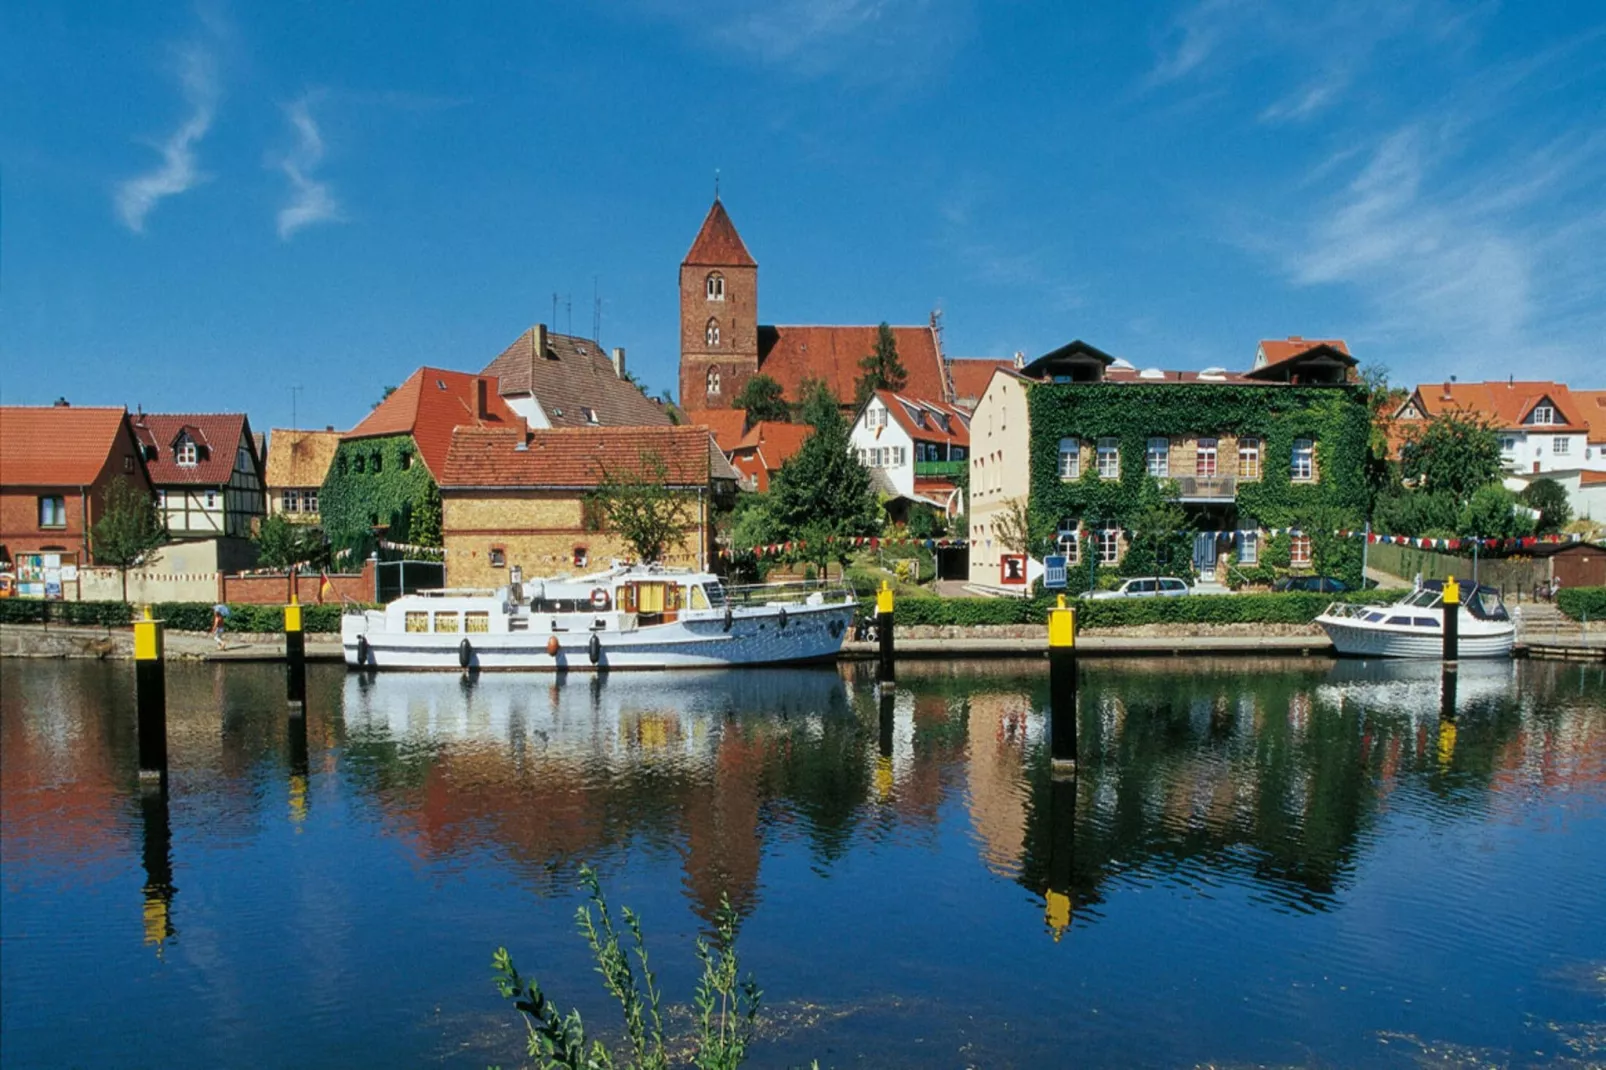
x=699, y=600
x=716, y=594
x=1406, y=621
x=1425, y=622
x=1485, y=605
x=649, y=598
x=476, y=622
x=418, y=621
x=446, y=622
x=1374, y=617
x=560, y=605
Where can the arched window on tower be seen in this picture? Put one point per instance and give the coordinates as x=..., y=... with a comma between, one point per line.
x=716, y=287
x=713, y=381
x=711, y=334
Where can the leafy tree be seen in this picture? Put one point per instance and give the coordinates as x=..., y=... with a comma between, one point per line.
x=763, y=399
x=389, y=390
x=1160, y=535
x=882, y=369
x=822, y=492
x=1455, y=454
x=639, y=507
x=283, y=544
x=924, y=523
x=1492, y=512
x=1550, y=498
x=128, y=528
x=1416, y=512
x=1013, y=527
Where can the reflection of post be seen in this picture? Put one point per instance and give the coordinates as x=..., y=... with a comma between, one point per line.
x=1062, y=686
x=150, y=697
x=883, y=762
x=295, y=658
x=157, y=852
x=1447, y=714
x=1451, y=610
x=299, y=798
x=1061, y=854
x=883, y=623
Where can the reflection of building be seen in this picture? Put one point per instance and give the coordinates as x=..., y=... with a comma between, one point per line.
x=1002, y=727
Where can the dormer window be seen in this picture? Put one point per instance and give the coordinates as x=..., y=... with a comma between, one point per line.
x=1544, y=414
x=590, y=415
x=711, y=333
x=187, y=455
x=712, y=383
x=715, y=285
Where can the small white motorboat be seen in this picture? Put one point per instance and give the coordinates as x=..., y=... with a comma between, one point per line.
x=630, y=617
x=1414, y=626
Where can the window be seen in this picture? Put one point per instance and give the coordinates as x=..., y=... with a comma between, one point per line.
x=713, y=381
x=357, y=464
x=446, y=622
x=309, y=500
x=1068, y=538
x=406, y=459
x=211, y=499
x=477, y=621
x=290, y=501
x=128, y=463
x=956, y=453
x=1561, y=445
x=1070, y=458
x=711, y=332
x=417, y=621
x=378, y=464
x=1304, y=460
x=1299, y=551
x=1249, y=458
x=580, y=557
x=899, y=456
x=1109, y=458
x=1249, y=547
x=498, y=557
x=1205, y=458
x=715, y=287
x=161, y=499
x=1544, y=414
x=590, y=415
x=1159, y=457
x=875, y=416
x=53, y=511
x=1508, y=444
x=1109, y=544
x=186, y=454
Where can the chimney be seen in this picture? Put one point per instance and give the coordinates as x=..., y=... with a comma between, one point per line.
x=1296, y=338
x=537, y=350
x=1020, y=360
x=619, y=361
x=481, y=409
x=328, y=427
x=63, y=403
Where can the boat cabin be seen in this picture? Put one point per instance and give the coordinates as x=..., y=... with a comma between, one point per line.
x=1482, y=602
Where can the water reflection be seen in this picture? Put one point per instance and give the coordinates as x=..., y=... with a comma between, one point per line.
x=157, y=857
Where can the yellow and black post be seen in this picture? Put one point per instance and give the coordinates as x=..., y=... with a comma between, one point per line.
x=295, y=658
x=150, y=697
x=1062, y=686
x=1452, y=622
x=886, y=696
x=1061, y=855
x=883, y=625
x=157, y=854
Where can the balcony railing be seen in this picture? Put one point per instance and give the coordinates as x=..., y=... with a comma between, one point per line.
x=1207, y=488
x=940, y=469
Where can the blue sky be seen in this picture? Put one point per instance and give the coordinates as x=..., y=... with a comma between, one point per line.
x=203, y=207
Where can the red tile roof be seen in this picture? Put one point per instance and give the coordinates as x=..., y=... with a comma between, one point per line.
x=1592, y=411
x=577, y=457
x=430, y=405
x=55, y=446
x=789, y=355
x=573, y=376
x=971, y=376
x=1506, y=404
x=1592, y=479
x=717, y=243
x=1277, y=350
x=728, y=425
x=920, y=419
x=767, y=445
x=217, y=436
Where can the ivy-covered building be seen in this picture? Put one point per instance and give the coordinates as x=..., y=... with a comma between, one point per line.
x=383, y=480
x=1227, y=477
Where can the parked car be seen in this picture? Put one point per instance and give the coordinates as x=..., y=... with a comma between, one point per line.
x=1149, y=587
x=1317, y=584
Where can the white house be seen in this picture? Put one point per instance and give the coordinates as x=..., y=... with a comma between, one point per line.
x=916, y=449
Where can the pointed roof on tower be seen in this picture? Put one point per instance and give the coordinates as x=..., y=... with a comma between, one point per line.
x=718, y=244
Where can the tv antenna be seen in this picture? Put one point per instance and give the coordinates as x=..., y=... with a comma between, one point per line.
x=596, y=311
x=294, y=390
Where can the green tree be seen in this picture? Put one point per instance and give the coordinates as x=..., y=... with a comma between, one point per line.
x=1013, y=527
x=282, y=544
x=638, y=506
x=822, y=494
x=882, y=370
x=389, y=390
x=764, y=399
x=128, y=528
x=1160, y=541
x=1492, y=513
x=1455, y=454
x=1550, y=498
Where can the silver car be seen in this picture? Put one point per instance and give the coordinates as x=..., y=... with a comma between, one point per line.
x=1150, y=587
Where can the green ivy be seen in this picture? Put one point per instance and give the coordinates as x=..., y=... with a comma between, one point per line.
x=401, y=495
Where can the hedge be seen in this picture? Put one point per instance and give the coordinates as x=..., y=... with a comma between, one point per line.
x=1582, y=603
x=1282, y=608
x=179, y=616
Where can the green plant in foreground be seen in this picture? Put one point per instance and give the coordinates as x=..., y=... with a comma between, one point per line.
x=726, y=1005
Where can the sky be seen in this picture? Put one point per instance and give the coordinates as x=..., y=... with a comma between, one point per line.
x=285, y=208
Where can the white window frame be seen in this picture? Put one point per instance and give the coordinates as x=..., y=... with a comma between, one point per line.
x=1561, y=445
x=1302, y=461
x=290, y=500
x=711, y=333
x=1070, y=459
x=1109, y=458
x=161, y=499
x=1108, y=542
x=1544, y=415
x=52, y=512
x=1207, y=455
x=1249, y=457
x=1069, y=540
x=711, y=381
x=714, y=286
x=188, y=455
x=1296, y=543
x=1158, y=457
x=211, y=499
x=1249, y=547
x=309, y=500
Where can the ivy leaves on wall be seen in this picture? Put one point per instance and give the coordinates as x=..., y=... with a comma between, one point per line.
x=379, y=482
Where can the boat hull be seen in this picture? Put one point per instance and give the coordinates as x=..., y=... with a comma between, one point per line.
x=1352, y=640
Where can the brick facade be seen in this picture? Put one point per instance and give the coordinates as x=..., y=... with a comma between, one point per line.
x=735, y=356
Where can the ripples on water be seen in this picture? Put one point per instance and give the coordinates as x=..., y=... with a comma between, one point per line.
x=1284, y=862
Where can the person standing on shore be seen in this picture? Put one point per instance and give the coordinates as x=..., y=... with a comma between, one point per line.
x=219, y=614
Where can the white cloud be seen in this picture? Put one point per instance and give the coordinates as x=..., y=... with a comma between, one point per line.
x=311, y=200
x=178, y=171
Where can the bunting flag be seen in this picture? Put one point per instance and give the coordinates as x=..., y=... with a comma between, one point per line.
x=873, y=542
x=324, y=586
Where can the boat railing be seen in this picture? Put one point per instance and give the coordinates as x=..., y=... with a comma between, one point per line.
x=762, y=594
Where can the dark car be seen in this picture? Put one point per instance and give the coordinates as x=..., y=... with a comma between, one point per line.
x=1317, y=584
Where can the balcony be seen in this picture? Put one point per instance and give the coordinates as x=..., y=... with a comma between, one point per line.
x=1206, y=488
x=940, y=469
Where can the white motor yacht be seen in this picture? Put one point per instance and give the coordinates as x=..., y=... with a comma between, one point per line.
x=1414, y=626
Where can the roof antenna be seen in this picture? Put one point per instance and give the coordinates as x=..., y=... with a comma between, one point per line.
x=716, y=183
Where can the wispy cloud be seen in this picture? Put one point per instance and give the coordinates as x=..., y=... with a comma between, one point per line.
x=311, y=200
x=178, y=171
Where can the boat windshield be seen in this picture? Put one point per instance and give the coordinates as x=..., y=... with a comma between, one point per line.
x=1485, y=604
x=1422, y=598
x=716, y=594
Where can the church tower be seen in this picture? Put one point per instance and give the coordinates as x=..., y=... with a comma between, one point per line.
x=718, y=315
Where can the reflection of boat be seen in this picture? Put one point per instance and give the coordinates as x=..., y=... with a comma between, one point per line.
x=1414, y=626
x=627, y=618
x=1413, y=687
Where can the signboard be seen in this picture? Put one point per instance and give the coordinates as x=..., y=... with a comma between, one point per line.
x=1012, y=570
x=1054, y=572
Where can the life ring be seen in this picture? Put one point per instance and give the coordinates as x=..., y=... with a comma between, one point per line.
x=599, y=598
x=780, y=618
x=465, y=653
x=594, y=649
x=362, y=650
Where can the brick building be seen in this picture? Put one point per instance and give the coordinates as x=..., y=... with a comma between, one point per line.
x=514, y=497
x=297, y=463
x=55, y=466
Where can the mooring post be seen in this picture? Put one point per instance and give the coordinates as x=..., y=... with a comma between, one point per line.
x=885, y=696
x=883, y=611
x=157, y=854
x=295, y=658
x=1062, y=686
x=298, y=768
x=1061, y=855
x=150, y=697
x=1451, y=609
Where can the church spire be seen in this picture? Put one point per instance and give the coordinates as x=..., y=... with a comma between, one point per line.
x=718, y=244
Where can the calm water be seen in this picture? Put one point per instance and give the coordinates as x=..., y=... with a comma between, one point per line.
x=1287, y=863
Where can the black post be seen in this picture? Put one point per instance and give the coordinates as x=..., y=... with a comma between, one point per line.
x=157, y=855
x=150, y=697
x=885, y=693
x=883, y=609
x=1061, y=854
x=1062, y=672
x=295, y=659
x=1451, y=609
x=298, y=767
x=1447, y=729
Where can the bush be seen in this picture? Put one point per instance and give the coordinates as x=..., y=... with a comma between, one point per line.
x=84, y=614
x=179, y=616
x=1291, y=607
x=1582, y=603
